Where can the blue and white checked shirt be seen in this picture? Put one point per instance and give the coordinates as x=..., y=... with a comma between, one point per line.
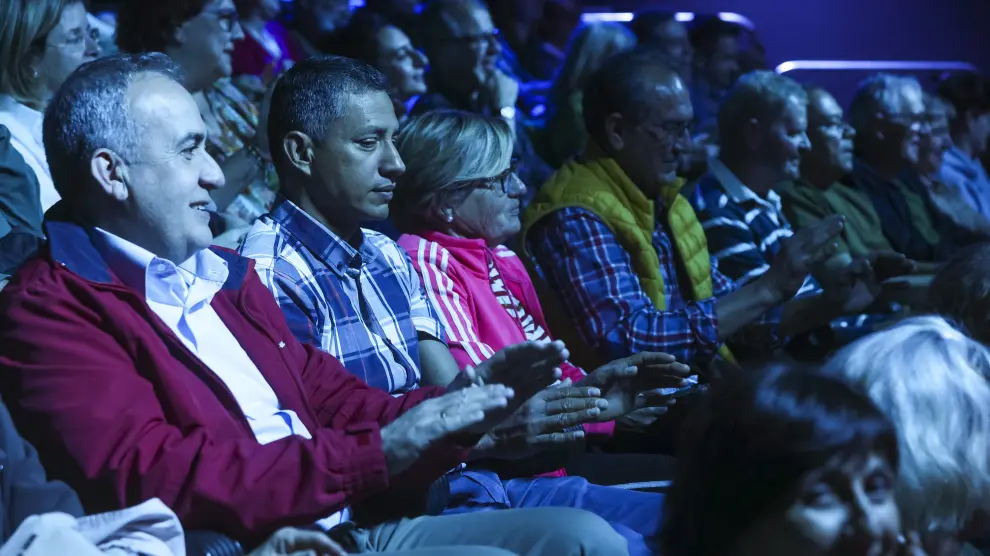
x=364, y=306
x=743, y=230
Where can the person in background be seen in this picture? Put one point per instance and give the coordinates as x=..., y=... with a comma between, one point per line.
x=200, y=35
x=464, y=51
x=931, y=381
x=356, y=295
x=888, y=114
x=820, y=192
x=969, y=127
x=376, y=41
x=562, y=133
x=521, y=57
x=716, y=67
x=206, y=399
x=314, y=22
x=266, y=49
x=41, y=43
x=670, y=37
x=786, y=461
x=949, y=203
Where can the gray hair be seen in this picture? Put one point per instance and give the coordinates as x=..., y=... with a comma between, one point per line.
x=90, y=111
x=442, y=149
x=960, y=291
x=931, y=381
x=880, y=93
x=938, y=107
x=760, y=95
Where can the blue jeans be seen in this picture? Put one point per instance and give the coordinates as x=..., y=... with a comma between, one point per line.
x=634, y=515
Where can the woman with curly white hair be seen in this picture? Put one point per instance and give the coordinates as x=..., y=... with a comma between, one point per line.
x=931, y=381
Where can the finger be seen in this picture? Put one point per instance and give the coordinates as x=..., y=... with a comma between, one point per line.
x=649, y=358
x=574, y=405
x=611, y=373
x=652, y=410
x=672, y=369
x=556, y=438
x=472, y=374
x=562, y=392
x=564, y=383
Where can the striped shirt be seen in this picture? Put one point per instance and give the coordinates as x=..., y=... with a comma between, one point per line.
x=743, y=230
x=364, y=306
x=534, y=332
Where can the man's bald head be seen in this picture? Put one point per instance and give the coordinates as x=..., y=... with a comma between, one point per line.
x=629, y=83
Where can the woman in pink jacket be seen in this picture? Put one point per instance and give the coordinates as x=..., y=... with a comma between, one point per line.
x=457, y=202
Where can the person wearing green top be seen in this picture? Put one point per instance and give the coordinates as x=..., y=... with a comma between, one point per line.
x=819, y=193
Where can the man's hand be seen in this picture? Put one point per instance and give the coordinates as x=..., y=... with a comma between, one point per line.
x=541, y=422
x=464, y=411
x=633, y=383
x=855, y=287
x=298, y=542
x=799, y=254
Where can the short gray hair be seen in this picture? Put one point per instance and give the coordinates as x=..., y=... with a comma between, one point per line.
x=760, y=95
x=90, y=112
x=441, y=149
x=931, y=381
x=878, y=93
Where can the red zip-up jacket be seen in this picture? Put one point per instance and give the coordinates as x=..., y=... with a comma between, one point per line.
x=120, y=410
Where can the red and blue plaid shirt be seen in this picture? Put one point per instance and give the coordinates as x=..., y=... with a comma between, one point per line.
x=580, y=258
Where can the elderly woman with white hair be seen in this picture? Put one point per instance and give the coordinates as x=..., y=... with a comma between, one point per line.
x=931, y=381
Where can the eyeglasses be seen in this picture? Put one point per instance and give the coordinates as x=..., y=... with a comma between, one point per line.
x=478, y=40
x=669, y=132
x=499, y=183
x=78, y=39
x=228, y=20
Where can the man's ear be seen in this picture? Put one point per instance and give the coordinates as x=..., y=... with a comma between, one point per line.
x=110, y=172
x=180, y=36
x=615, y=130
x=300, y=151
x=753, y=134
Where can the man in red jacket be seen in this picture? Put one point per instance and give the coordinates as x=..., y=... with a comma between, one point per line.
x=143, y=364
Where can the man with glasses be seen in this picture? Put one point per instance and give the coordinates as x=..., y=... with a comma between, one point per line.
x=819, y=192
x=462, y=44
x=623, y=253
x=888, y=115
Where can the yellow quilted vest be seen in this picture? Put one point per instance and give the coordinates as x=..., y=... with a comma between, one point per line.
x=601, y=187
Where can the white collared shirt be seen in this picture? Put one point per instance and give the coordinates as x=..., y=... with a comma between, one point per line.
x=25, y=126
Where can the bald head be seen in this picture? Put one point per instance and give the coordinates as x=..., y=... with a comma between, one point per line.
x=629, y=83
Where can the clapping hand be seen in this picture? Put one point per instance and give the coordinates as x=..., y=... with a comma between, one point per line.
x=465, y=411
x=855, y=286
x=634, y=383
x=542, y=421
x=800, y=253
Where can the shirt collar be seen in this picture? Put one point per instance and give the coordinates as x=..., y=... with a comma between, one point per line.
x=196, y=280
x=737, y=191
x=336, y=253
x=29, y=117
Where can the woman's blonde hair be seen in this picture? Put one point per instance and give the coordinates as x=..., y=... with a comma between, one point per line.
x=931, y=380
x=443, y=149
x=24, y=28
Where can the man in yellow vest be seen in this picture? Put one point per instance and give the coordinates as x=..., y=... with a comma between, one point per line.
x=624, y=255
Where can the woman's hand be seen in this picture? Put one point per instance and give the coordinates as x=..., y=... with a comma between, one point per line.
x=298, y=542
x=542, y=421
x=634, y=383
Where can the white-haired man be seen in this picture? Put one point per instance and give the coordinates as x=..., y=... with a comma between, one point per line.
x=143, y=363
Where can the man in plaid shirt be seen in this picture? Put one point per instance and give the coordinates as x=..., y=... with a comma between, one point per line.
x=638, y=114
